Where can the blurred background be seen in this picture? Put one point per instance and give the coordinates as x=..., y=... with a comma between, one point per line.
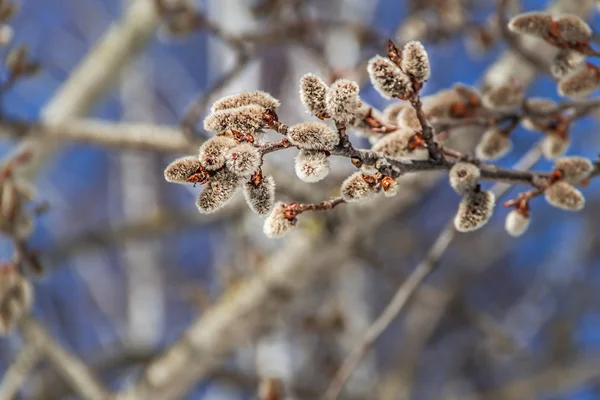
x=130, y=264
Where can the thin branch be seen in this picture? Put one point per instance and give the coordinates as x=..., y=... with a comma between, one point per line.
x=18, y=371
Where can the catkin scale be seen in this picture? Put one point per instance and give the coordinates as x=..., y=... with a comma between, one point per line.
x=256, y=97
x=217, y=192
x=388, y=79
x=313, y=136
x=312, y=94
x=463, y=177
x=212, y=152
x=276, y=224
x=342, y=101
x=474, y=211
x=564, y=196
x=311, y=165
x=261, y=197
x=181, y=169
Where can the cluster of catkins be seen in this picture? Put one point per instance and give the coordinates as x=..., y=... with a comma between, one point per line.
x=571, y=35
x=477, y=206
x=16, y=296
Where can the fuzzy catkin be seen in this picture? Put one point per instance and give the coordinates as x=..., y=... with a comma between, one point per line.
x=463, y=177
x=392, y=112
x=415, y=61
x=217, y=192
x=313, y=136
x=504, y=97
x=474, y=211
x=256, y=97
x=396, y=145
x=554, y=146
x=312, y=94
x=212, y=152
x=277, y=225
x=581, y=83
x=538, y=105
x=355, y=188
x=388, y=79
x=181, y=169
x=408, y=118
x=565, y=62
x=516, y=223
x=261, y=197
x=342, y=101
x=247, y=119
x=574, y=169
x=494, y=144
x=243, y=160
x=312, y=165
x=573, y=29
x=16, y=298
x=532, y=23
x=564, y=196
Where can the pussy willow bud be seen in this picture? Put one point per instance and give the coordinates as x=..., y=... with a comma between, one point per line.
x=574, y=169
x=581, y=83
x=277, y=225
x=391, y=113
x=218, y=191
x=243, y=160
x=10, y=201
x=6, y=34
x=565, y=62
x=562, y=195
x=256, y=97
x=23, y=227
x=342, y=101
x=494, y=144
x=181, y=169
x=312, y=165
x=532, y=23
x=212, y=152
x=463, y=177
x=538, y=105
x=261, y=197
x=397, y=145
x=415, y=61
x=474, y=211
x=312, y=94
x=246, y=119
x=517, y=222
x=554, y=146
x=505, y=97
x=571, y=28
x=388, y=79
x=408, y=118
x=16, y=297
x=313, y=136
x=441, y=104
x=355, y=188
x=390, y=186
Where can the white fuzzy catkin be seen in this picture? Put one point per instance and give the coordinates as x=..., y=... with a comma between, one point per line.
x=243, y=160
x=355, y=188
x=554, y=146
x=574, y=169
x=516, y=223
x=563, y=195
x=313, y=136
x=261, y=197
x=212, y=152
x=181, y=169
x=573, y=29
x=474, y=211
x=342, y=101
x=256, y=97
x=504, y=97
x=218, y=191
x=532, y=23
x=247, y=119
x=463, y=177
x=494, y=144
x=580, y=84
x=388, y=79
x=408, y=118
x=277, y=225
x=565, y=62
x=538, y=105
x=312, y=165
x=392, y=112
x=415, y=61
x=312, y=94
x=395, y=145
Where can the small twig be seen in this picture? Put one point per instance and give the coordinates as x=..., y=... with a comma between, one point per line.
x=16, y=374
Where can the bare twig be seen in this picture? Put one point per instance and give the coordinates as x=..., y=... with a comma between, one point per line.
x=16, y=374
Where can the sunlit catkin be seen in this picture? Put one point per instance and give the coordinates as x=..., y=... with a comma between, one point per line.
x=218, y=191
x=580, y=84
x=397, y=145
x=554, y=145
x=565, y=196
x=574, y=169
x=181, y=169
x=212, y=152
x=388, y=79
x=243, y=160
x=342, y=100
x=415, y=61
x=312, y=95
x=256, y=97
x=260, y=197
x=463, y=177
x=313, y=135
x=504, y=97
x=247, y=119
x=532, y=23
x=355, y=188
x=312, y=165
x=566, y=62
x=494, y=144
x=474, y=211
x=571, y=28
x=276, y=224
x=517, y=222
